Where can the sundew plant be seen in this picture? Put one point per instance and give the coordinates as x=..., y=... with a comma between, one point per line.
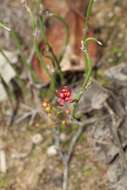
x=61, y=103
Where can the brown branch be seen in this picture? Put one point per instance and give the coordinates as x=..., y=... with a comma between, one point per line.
x=114, y=132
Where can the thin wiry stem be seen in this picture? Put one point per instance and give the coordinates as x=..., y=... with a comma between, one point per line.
x=87, y=60
x=66, y=157
x=2, y=25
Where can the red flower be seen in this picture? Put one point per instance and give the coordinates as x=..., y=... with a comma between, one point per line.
x=64, y=95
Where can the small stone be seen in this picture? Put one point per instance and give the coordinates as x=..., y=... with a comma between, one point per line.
x=114, y=173
x=52, y=151
x=3, y=164
x=63, y=137
x=37, y=138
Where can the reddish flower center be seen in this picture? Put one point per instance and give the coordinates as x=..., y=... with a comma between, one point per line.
x=64, y=95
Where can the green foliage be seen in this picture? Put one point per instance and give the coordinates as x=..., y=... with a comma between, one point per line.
x=4, y=181
x=88, y=171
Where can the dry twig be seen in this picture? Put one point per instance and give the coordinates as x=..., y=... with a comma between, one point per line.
x=114, y=132
x=66, y=157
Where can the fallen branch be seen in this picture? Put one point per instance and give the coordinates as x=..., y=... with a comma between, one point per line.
x=114, y=132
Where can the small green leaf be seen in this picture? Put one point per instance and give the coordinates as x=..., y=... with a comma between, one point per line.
x=2, y=25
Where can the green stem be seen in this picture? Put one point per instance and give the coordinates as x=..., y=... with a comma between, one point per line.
x=56, y=63
x=56, y=59
x=87, y=61
x=88, y=13
x=4, y=26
